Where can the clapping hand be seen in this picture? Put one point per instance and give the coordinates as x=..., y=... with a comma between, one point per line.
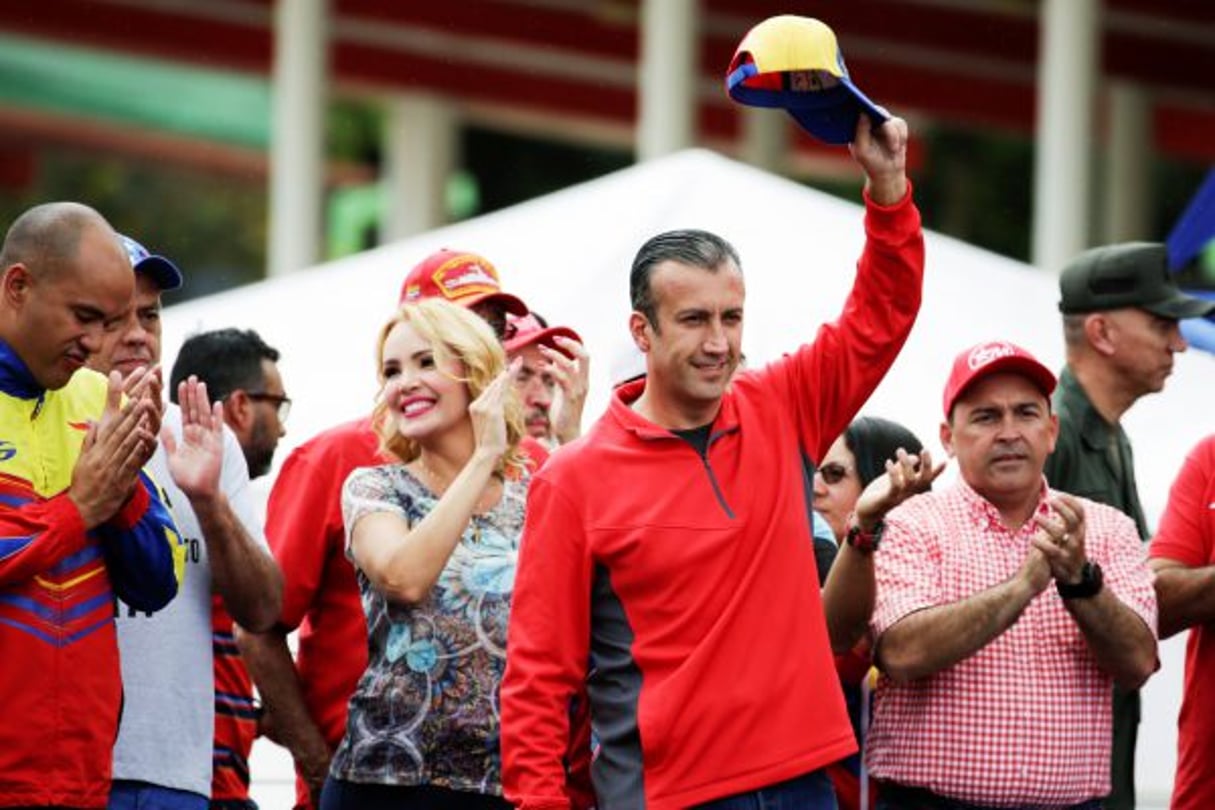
x=147, y=382
x=571, y=368
x=905, y=475
x=115, y=448
x=488, y=411
x=195, y=460
x=1060, y=538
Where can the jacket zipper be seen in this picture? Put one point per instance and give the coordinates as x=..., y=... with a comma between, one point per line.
x=704, y=458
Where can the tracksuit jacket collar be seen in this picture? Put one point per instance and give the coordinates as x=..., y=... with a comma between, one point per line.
x=15, y=377
x=628, y=419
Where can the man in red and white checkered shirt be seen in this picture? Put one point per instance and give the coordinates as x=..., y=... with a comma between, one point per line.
x=996, y=686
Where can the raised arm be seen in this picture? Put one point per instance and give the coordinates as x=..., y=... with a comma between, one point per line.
x=206, y=463
x=573, y=376
x=403, y=561
x=828, y=380
x=882, y=154
x=848, y=594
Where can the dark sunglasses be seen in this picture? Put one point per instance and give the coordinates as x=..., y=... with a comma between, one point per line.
x=281, y=402
x=833, y=473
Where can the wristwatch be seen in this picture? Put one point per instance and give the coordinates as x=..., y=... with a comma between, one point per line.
x=1090, y=584
x=863, y=541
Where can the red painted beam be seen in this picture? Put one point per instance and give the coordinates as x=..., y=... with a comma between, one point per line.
x=590, y=29
x=934, y=86
x=948, y=28
x=1182, y=11
x=1159, y=62
x=143, y=31
x=1185, y=132
x=390, y=68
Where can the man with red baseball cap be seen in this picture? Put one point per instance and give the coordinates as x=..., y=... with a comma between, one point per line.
x=465, y=279
x=554, y=360
x=996, y=687
x=305, y=700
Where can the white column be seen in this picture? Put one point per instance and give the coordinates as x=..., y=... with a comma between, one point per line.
x=666, y=80
x=420, y=154
x=765, y=138
x=297, y=160
x=1067, y=71
x=1128, y=163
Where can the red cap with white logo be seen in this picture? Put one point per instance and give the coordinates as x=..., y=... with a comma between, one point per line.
x=460, y=277
x=992, y=357
x=528, y=330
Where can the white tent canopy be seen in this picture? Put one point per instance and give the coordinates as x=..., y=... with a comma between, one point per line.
x=568, y=255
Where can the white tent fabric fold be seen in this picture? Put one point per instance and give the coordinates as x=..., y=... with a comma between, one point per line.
x=568, y=255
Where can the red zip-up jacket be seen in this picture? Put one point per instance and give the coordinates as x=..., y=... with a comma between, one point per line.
x=688, y=581
x=60, y=683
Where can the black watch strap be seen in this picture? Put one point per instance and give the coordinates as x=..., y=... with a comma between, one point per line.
x=1090, y=584
x=863, y=541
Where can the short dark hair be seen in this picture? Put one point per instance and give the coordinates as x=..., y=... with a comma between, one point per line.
x=226, y=360
x=873, y=440
x=692, y=247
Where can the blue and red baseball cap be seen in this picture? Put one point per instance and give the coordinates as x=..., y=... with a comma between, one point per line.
x=795, y=63
x=158, y=268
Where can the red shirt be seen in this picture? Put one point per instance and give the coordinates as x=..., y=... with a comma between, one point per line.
x=689, y=583
x=1025, y=720
x=235, y=711
x=1187, y=535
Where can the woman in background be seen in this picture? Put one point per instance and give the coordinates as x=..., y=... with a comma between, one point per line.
x=873, y=467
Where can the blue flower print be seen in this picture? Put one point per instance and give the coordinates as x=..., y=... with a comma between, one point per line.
x=491, y=568
x=420, y=656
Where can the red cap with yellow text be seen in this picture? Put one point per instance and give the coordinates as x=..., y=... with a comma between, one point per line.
x=460, y=277
x=992, y=357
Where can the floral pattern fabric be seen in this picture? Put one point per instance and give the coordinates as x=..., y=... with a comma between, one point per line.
x=426, y=709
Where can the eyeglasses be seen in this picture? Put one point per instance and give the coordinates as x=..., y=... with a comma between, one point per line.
x=281, y=402
x=833, y=473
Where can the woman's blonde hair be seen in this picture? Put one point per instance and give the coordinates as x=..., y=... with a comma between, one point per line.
x=457, y=337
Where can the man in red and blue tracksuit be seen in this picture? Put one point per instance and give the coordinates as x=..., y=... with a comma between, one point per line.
x=670, y=547
x=80, y=523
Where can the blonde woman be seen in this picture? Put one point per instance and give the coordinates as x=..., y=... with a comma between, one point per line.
x=434, y=539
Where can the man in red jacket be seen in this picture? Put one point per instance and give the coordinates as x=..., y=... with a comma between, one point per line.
x=669, y=547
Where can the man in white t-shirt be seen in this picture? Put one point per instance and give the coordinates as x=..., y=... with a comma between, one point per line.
x=163, y=755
